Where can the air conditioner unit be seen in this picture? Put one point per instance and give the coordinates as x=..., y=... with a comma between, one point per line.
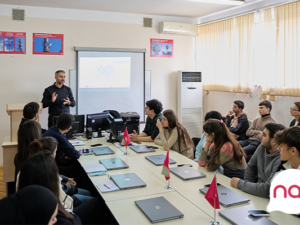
x=178, y=28
x=189, y=107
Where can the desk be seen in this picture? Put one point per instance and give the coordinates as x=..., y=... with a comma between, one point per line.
x=10, y=149
x=185, y=196
x=192, y=214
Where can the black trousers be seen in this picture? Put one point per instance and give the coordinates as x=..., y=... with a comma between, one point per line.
x=50, y=120
x=95, y=211
x=249, y=147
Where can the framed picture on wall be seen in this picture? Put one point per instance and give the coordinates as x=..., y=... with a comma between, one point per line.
x=12, y=42
x=48, y=44
x=161, y=48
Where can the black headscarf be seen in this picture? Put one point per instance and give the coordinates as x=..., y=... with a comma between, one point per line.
x=31, y=205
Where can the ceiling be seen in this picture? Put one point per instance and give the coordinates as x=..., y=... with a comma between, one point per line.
x=149, y=7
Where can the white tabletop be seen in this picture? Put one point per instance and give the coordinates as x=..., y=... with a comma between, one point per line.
x=151, y=175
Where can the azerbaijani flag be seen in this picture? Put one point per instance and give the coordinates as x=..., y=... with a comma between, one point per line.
x=166, y=170
x=126, y=139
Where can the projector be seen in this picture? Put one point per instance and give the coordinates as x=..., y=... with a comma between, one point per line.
x=130, y=117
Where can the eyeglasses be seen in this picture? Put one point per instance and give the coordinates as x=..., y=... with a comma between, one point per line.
x=294, y=109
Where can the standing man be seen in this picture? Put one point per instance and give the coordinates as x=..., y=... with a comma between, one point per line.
x=58, y=97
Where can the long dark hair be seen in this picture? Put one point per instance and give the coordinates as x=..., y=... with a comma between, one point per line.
x=173, y=122
x=221, y=136
x=45, y=143
x=40, y=169
x=28, y=131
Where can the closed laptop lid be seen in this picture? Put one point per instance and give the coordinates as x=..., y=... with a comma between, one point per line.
x=158, y=209
x=187, y=173
x=226, y=196
x=114, y=163
x=128, y=180
x=141, y=148
x=159, y=159
x=240, y=215
x=103, y=150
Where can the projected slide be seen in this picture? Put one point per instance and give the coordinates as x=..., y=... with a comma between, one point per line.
x=104, y=72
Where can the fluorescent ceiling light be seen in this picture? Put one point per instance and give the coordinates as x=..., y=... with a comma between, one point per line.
x=224, y=2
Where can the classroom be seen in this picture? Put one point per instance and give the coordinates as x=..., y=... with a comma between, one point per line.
x=141, y=112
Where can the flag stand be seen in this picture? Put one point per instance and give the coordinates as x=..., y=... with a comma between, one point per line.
x=126, y=153
x=215, y=222
x=169, y=186
x=215, y=217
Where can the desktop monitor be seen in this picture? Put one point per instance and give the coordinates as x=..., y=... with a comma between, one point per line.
x=98, y=120
x=78, y=124
x=116, y=126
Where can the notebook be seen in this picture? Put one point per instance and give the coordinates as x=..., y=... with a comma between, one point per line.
x=94, y=168
x=76, y=143
x=108, y=187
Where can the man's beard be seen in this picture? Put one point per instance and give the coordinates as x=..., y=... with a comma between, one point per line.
x=268, y=145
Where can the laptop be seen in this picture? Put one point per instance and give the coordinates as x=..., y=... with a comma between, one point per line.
x=103, y=150
x=158, y=160
x=141, y=149
x=114, y=163
x=240, y=215
x=227, y=197
x=128, y=181
x=158, y=209
x=187, y=173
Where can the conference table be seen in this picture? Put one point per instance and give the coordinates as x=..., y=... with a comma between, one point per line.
x=185, y=195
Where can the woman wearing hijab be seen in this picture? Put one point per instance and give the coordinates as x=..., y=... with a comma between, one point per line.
x=28, y=207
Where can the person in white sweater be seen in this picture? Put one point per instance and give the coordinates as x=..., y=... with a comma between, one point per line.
x=173, y=135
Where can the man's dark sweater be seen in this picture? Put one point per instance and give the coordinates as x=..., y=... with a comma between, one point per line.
x=64, y=147
x=241, y=127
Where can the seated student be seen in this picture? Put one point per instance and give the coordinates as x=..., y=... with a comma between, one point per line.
x=295, y=112
x=31, y=112
x=237, y=121
x=200, y=146
x=28, y=206
x=221, y=149
x=255, y=131
x=41, y=169
x=66, y=153
x=28, y=131
x=68, y=184
x=289, y=147
x=153, y=111
x=34, y=171
x=263, y=164
x=173, y=135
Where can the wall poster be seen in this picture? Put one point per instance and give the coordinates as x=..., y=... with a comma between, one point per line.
x=161, y=48
x=48, y=44
x=12, y=42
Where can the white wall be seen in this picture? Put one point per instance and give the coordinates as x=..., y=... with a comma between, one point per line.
x=223, y=102
x=23, y=78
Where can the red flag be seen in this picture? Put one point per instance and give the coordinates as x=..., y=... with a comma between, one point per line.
x=166, y=170
x=126, y=138
x=212, y=194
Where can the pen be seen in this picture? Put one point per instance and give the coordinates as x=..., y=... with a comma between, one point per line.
x=106, y=186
